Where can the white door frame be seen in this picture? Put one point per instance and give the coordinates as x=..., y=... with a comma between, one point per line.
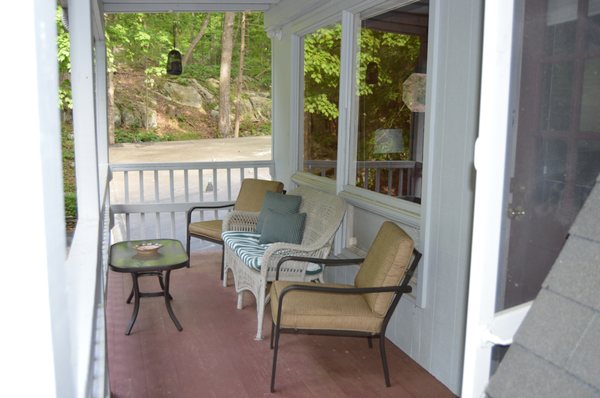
x=486, y=328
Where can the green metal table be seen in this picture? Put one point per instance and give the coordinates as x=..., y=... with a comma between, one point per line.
x=124, y=257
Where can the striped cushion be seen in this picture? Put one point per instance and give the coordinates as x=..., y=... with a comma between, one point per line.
x=245, y=245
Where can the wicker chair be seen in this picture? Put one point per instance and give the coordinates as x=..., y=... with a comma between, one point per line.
x=362, y=310
x=250, y=198
x=324, y=213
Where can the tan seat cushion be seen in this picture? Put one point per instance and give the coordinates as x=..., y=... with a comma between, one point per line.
x=211, y=229
x=385, y=265
x=252, y=193
x=325, y=311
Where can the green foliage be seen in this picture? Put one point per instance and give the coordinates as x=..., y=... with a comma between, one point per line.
x=64, y=62
x=64, y=46
x=322, y=72
x=123, y=136
x=137, y=45
x=250, y=128
x=201, y=72
x=68, y=160
x=70, y=205
x=322, y=105
x=142, y=42
x=381, y=106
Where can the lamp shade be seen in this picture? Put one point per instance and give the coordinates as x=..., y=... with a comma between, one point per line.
x=388, y=141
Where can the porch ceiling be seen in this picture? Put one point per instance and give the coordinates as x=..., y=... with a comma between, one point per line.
x=121, y=6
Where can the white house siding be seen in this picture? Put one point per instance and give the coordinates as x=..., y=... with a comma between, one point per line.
x=430, y=327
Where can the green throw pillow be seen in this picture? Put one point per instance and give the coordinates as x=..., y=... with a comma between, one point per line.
x=279, y=227
x=284, y=204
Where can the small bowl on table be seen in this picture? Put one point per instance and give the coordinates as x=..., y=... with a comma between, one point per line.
x=148, y=248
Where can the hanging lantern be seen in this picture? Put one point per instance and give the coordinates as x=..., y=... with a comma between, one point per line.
x=372, y=75
x=174, y=64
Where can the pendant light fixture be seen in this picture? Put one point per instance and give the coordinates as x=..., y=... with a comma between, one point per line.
x=174, y=65
x=372, y=75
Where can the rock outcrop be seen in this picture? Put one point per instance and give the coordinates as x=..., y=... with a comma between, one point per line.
x=185, y=104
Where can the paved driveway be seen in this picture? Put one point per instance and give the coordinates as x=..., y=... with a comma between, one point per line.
x=217, y=150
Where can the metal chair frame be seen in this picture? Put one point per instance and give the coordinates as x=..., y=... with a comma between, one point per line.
x=403, y=287
x=204, y=237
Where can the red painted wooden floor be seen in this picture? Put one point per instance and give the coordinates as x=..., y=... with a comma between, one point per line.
x=216, y=355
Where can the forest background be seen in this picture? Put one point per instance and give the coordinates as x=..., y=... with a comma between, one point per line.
x=224, y=90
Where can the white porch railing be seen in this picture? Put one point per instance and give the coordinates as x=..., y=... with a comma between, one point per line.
x=86, y=267
x=150, y=200
x=398, y=178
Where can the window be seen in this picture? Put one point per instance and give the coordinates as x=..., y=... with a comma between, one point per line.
x=391, y=101
x=321, y=92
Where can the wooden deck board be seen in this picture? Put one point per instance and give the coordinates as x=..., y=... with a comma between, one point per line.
x=216, y=355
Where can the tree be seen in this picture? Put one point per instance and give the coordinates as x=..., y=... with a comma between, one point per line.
x=196, y=40
x=240, y=77
x=225, y=75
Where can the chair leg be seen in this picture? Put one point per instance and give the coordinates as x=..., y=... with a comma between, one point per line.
x=260, y=315
x=225, y=270
x=222, y=263
x=187, y=247
x=275, y=358
x=386, y=373
x=272, y=332
x=240, y=300
x=370, y=340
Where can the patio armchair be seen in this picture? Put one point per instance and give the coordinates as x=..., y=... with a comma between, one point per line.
x=362, y=310
x=254, y=265
x=250, y=199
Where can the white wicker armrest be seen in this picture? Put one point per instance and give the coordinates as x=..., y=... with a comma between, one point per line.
x=278, y=250
x=240, y=221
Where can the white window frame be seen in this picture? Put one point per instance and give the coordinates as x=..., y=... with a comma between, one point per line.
x=395, y=209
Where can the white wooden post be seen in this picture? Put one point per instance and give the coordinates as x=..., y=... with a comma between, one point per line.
x=101, y=108
x=84, y=259
x=84, y=108
x=33, y=357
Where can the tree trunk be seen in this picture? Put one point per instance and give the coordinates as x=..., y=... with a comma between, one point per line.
x=240, y=77
x=225, y=76
x=111, y=108
x=194, y=43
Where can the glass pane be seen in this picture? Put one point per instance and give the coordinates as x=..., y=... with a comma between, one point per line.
x=560, y=33
x=593, y=23
x=556, y=96
x=321, y=92
x=560, y=39
x=391, y=88
x=551, y=174
x=590, y=97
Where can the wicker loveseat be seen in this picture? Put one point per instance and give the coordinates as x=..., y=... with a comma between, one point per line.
x=252, y=272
